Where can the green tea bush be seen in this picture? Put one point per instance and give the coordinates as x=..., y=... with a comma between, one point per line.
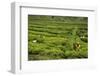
x=54, y=52
x=85, y=39
x=36, y=48
x=62, y=48
x=76, y=54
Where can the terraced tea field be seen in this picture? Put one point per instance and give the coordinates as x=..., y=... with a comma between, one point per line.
x=57, y=37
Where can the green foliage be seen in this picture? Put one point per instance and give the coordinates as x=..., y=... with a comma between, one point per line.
x=76, y=54
x=52, y=37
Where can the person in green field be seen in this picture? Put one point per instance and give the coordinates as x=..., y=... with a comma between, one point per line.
x=76, y=46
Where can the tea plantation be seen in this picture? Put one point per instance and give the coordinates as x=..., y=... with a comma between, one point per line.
x=57, y=37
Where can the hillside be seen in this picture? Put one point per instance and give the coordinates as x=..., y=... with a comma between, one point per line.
x=56, y=37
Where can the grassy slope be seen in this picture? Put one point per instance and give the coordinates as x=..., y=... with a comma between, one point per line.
x=55, y=37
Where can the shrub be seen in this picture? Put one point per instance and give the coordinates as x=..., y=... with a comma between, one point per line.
x=54, y=52
x=40, y=40
x=85, y=39
x=76, y=54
